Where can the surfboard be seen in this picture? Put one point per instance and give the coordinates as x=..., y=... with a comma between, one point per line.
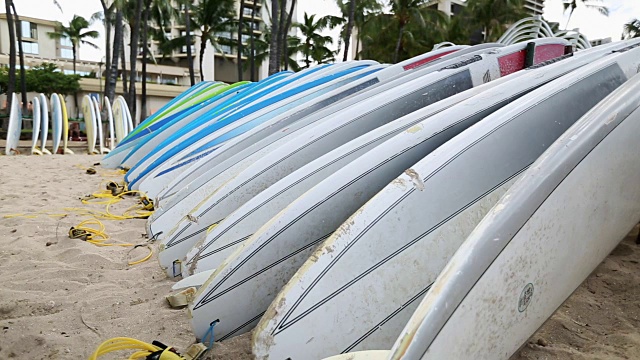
x=35, y=135
x=550, y=230
x=290, y=86
x=56, y=121
x=193, y=194
x=332, y=132
x=248, y=92
x=194, y=99
x=358, y=182
x=15, y=127
x=118, y=122
x=127, y=115
x=423, y=216
x=291, y=121
x=65, y=126
x=362, y=355
x=44, y=124
x=242, y=223
x=107, y=107
x=157, y=179
x=174, y=105
x=164, y=128
x=98, y=117
x=89, y=123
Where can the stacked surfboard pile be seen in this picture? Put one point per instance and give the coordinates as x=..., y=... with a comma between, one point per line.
x=361, y=206
x=45, y=110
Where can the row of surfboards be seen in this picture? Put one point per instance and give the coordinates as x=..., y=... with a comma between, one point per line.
x=118, y=118
x=360, y=206
x=58, y=119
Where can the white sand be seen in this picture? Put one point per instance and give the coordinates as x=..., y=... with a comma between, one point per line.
x=59, y=298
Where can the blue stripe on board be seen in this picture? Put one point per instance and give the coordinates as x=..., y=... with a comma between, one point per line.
x=242, y=113
x=235, y=104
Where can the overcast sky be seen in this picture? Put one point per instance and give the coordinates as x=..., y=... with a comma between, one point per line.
x=590, y=22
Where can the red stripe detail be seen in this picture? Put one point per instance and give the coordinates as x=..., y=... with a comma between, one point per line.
x=426, y=60
x=515, y=61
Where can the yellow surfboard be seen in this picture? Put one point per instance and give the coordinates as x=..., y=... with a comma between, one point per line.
x=65, y=126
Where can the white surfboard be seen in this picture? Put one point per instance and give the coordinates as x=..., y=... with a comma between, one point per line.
x=193, y=281
x=36, y=127
x=107, y=106
x=332, y=132
x=182, y=203
x=118, y=120
x=56, y=121
x=44, y=124
x=400, y=152
x=172, y=168
x=15, y=127
x=379, y=263
x=90, y=124
x=538, y=243
x=362, y=355
x=296, y=118
x=98, y=117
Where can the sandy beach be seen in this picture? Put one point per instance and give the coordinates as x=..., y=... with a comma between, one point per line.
x=61, y=297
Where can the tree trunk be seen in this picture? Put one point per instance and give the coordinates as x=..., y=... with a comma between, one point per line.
x=187, y=23
x=307, y=53
x=273, y=43
x=347, y=37
x=11, y=86
x=239, y=56
x=203, y=47
x=117, y=44
x=281, y=30
x=125, y=87
x=133, y=56
x=253, y=45
x=73, y=48
x=398, y=43
x=357, y=55
x=145, y=49
x=23, y=79
x=285, y=35
x=107, y=45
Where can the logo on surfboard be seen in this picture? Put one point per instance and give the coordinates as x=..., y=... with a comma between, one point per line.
x=525, y=297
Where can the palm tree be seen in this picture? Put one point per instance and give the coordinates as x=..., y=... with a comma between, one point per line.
x=77, y=32
x=23, y=79
x=12, y=53
x=363, y=10
x=571, y=5
x=273, y=42
x=314, y=47
x=135, y=26
x=239, y=52
x=405, y=12
x=492, y=16
x=631, y=29
x=212, y=17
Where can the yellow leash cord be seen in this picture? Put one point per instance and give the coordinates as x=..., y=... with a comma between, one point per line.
x=144, y=349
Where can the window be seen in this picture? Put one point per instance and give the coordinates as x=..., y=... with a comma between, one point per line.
x=224, y=34
x=248, y=11
x=226, y=49
x=30, y=47
x=66, y=53
x=65, y=41
x=245, y=39
x=29, y=29
x=193, y=49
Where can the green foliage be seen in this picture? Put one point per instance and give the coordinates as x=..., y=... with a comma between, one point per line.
x=493, y=16
x=631, y=29
x=314, y=46
x=45, y=78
